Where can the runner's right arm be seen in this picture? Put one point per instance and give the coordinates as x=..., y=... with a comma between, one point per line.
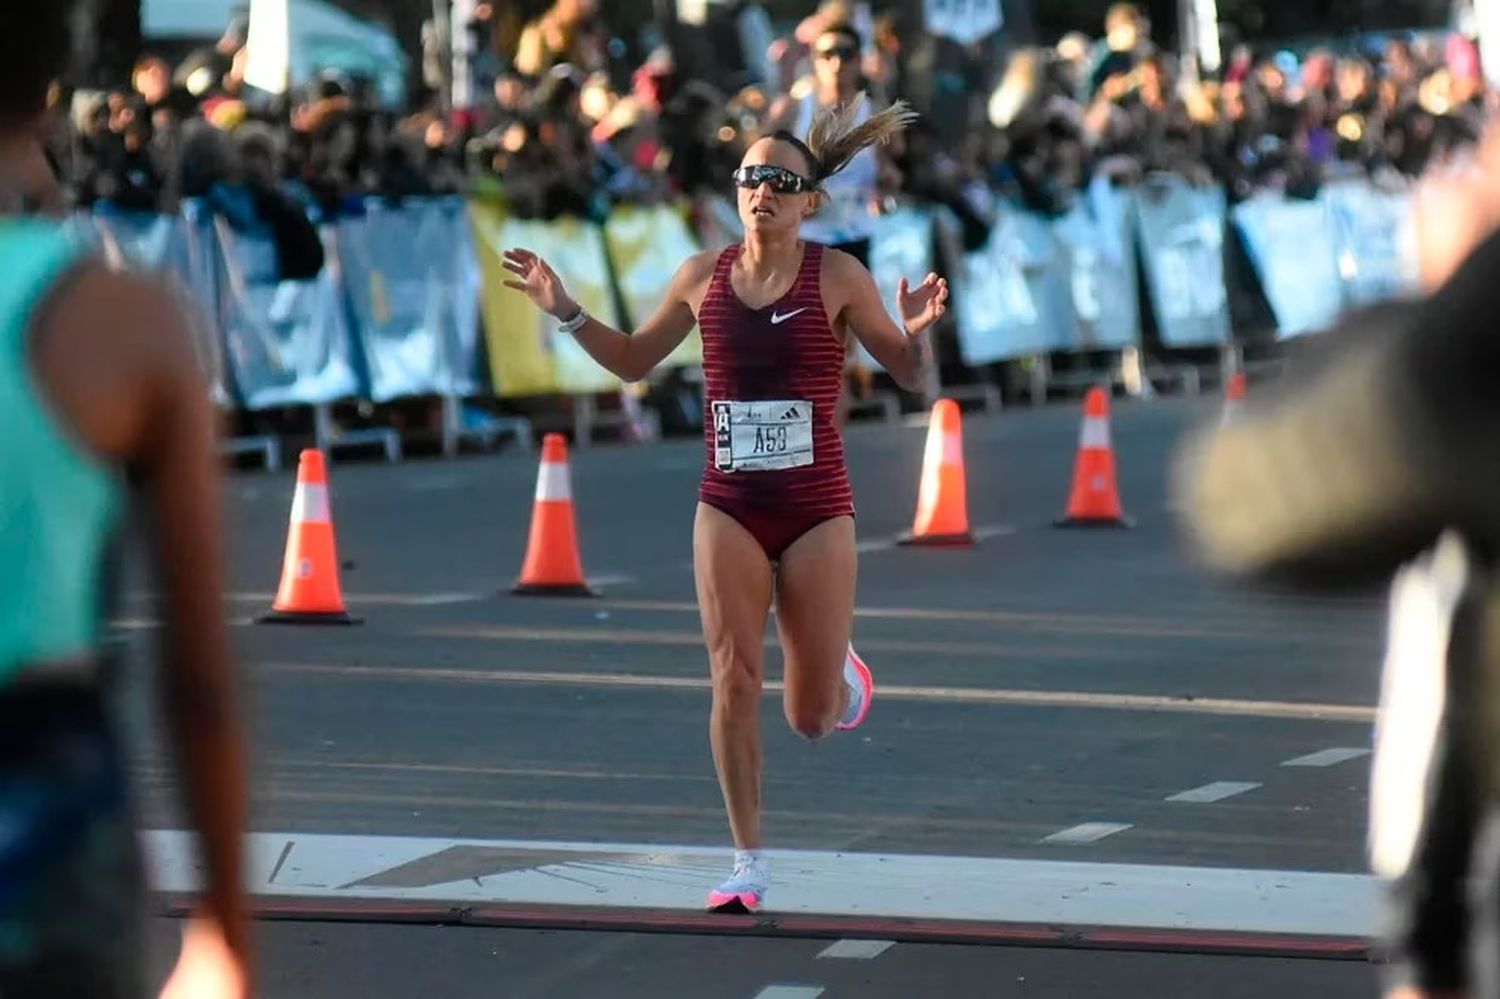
x=629, y=356
x=138, y=397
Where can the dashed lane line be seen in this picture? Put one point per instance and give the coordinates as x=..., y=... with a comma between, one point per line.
x=1087, y=832
x=1326, y=758
x=857, y=950
x=1217, y=791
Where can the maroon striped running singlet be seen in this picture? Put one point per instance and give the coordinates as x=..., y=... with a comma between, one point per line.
x=777, y=470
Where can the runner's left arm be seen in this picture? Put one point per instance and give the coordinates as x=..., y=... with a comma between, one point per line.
x=904, y=354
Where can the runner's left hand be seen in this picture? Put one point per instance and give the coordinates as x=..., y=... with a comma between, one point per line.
x=924, y=305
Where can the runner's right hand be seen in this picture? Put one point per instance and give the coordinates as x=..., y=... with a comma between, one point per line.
x=540, y=283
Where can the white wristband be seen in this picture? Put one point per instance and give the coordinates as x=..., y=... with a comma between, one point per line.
x=576, y=323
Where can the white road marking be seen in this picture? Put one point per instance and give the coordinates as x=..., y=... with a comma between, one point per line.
x=861, y=885
x=1326, y=758
x=857, y=950
x=1087, y=832
x=789, y=992
x=899, y=692
x=1217, y=791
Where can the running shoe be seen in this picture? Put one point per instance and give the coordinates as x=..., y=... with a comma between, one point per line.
x=746, y=888
x=861, y=690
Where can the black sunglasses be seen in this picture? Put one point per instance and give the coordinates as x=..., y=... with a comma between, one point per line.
x=843, y=52
x=782, y=180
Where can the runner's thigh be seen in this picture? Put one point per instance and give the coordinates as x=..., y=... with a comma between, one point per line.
x=734, y=592
x=815, y=585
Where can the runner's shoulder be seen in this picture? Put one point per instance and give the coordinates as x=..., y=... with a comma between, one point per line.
x=133, y=319
x=700, y=266
x=839, y=265
x=697, y=271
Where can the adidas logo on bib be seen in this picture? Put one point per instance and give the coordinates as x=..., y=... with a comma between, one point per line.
x=792, y=414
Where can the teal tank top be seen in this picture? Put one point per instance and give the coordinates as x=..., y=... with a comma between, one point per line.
x=59, y=504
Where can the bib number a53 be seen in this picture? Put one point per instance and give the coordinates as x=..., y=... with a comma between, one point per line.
x=762, y=436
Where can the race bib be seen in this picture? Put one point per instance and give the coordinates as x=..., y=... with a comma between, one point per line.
x=762, y=436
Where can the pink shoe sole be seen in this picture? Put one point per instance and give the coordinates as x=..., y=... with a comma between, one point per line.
x=867, y=680
x=746, y=902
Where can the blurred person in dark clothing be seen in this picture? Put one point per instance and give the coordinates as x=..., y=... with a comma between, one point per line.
x=328, y=141
x=1379, y=443
x=299, y=249
x=442, y=161
x=704, y=135
x=131, y=177
x=202, y=73
x=100, y=391
x=1127, y=33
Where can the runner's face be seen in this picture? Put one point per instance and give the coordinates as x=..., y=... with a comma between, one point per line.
x=765, y=209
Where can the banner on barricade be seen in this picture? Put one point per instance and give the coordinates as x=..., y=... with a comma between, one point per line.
x=900, y=247
x=528, y=354
x=1373, y=231
x=1181, y=230
x=1012, y=296
x=289, y=343
x=1291, y=246
x=647, y=245
x=414, y=293
x=1102, y=279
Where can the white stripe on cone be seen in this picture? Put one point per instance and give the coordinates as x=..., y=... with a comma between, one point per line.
x=953, y=449
x=310, y=505
x=1095, y=433
x=553, y=484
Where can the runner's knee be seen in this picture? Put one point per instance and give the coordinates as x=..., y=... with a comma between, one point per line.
x=737, y=684
x=811, y=716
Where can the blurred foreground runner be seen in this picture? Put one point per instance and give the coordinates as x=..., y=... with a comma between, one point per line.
x=98, y=379
x=1386, y=447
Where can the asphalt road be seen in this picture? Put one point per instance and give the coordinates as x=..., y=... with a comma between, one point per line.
x=1044, y=680
x=331, y=960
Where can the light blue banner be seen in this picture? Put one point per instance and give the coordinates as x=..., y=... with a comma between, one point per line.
x=1182, y=244
x=1291, y=245
x=1373, y=233
x=1013, y=296
x=1106, y=307
x=413, y=287
x=288, y=342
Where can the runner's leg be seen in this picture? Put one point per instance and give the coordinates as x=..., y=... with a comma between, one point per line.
x=734, y=599
x=815, y=586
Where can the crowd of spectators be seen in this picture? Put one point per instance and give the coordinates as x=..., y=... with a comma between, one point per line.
x=572, y=115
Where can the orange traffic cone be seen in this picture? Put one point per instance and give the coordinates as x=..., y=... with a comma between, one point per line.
x=553, y=566
x=1234, y=396
x=310, y=592
x=942, y=501
x=1096, y=496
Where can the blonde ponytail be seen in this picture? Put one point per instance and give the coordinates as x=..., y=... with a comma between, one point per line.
x=837, y=135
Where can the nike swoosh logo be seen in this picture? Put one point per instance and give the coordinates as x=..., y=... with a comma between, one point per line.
x=777, y=318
